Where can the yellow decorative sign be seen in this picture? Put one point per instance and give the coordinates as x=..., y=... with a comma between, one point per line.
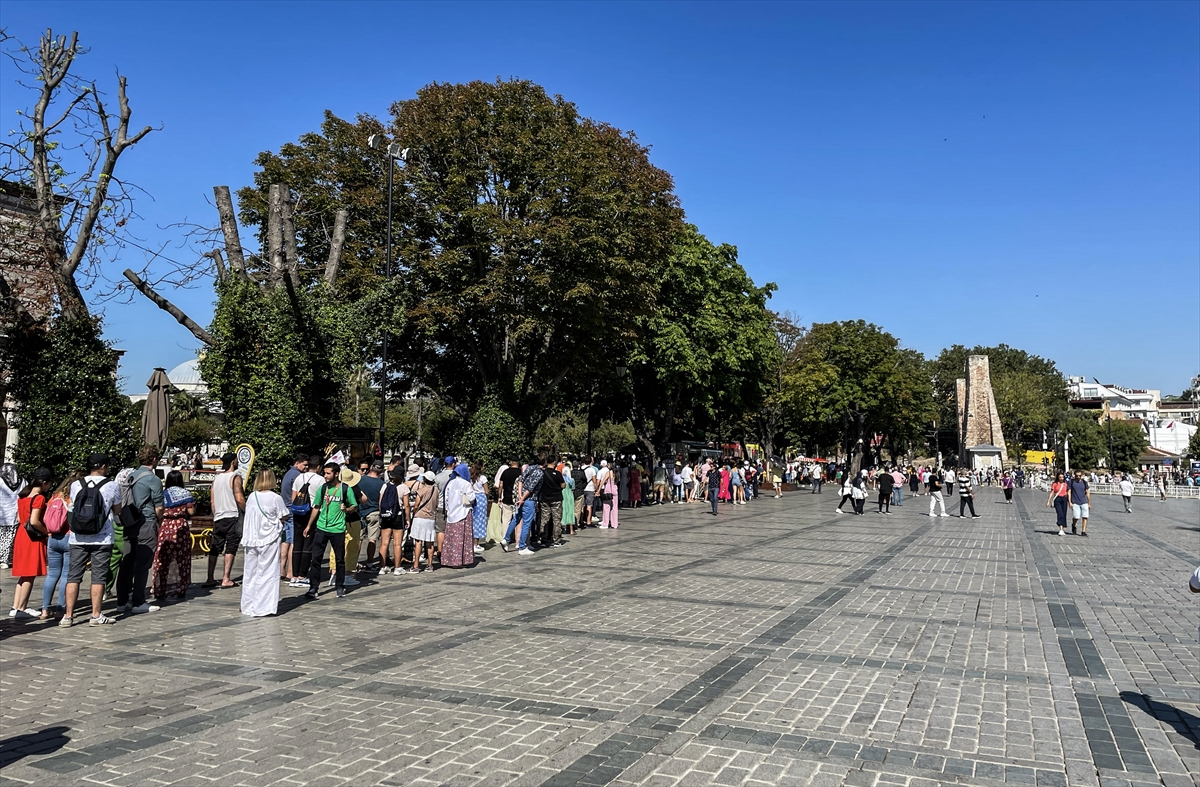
x=245, y=458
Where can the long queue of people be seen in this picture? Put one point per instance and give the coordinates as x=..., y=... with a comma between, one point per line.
x=130, y=533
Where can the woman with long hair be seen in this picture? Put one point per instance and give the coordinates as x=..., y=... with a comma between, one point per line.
x=172, y=570
x=29, y=548
x=58, y=554
x=1058, y=497
x=261, y=533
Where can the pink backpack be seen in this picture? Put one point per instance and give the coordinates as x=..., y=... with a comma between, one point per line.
x=55, y=517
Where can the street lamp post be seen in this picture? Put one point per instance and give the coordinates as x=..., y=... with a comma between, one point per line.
x=394, y=153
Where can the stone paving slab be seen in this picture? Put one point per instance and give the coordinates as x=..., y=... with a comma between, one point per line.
x=777, y=644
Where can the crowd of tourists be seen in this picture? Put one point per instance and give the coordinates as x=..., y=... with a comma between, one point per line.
x=130, y=533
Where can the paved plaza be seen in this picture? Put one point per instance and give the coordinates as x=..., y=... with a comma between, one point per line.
x=777, y=644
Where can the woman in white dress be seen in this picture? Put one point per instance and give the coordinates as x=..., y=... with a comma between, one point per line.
x=265, y=512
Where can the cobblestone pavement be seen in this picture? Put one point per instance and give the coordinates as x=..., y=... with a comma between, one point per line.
x=777, y=644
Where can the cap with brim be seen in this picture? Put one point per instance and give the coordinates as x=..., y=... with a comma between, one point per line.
x=429, y=476
x=377, y=467
x=449, y=460
x=228, y=457
x=96, y=460
x=413, y=471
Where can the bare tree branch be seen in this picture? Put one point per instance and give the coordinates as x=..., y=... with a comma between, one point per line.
x=169, y=308
x=335, y=248
x=218, y=262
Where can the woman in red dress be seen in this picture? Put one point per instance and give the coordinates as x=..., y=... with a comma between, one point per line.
x=724, y=495
x=635, y=486
x=174, y=541
x=29, y=554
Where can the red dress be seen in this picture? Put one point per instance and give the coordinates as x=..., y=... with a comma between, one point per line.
x=29, y=556
x=635, y=487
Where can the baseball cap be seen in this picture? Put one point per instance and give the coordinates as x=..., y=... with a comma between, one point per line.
x=430, y=477
x=228, y=457
x=377, y=466
x=95, y=461
x=449, y=460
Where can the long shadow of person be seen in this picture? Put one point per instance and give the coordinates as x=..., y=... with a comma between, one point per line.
x=44, y=741
x=1184, y=723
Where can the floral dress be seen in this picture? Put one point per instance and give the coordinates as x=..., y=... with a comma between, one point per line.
x=172, y=570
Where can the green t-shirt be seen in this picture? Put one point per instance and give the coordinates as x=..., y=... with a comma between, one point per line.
x=331, y=518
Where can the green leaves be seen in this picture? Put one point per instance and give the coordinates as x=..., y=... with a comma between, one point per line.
x=65, y=379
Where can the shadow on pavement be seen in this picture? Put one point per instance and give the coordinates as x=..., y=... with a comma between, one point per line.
x=44, y=741
x=1184, y=723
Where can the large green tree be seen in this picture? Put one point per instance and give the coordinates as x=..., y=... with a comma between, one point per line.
x=852, y=381
x=704, y=352
x=1030, y=391
x=523, y=232
x=1087, y=444
x=1128, y=443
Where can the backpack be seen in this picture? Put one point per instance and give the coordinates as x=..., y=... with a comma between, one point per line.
x=91, y=512
x=55, y=517
x=389, y=504
x=302, y=505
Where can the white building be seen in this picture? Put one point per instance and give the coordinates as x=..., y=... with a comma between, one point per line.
x=1123, y=403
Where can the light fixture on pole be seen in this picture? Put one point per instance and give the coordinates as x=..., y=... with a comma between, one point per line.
x=394, y=153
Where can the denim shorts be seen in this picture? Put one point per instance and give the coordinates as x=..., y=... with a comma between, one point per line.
x=289, y=531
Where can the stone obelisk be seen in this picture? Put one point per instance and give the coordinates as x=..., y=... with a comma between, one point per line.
x=978, y=420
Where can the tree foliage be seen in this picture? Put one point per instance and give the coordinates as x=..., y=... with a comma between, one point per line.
x=705, y=350
x=852, y=380
x=65, y=380
x=1087, y=444
x=493, y=436
x=1193, y=449
x=278, y=364
x=1128, y=443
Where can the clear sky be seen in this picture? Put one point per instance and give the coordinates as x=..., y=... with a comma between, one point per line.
x=966, y=173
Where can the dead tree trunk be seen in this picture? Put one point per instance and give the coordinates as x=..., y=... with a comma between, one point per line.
x=229, y=228
x=168, y=307
x=335, y=248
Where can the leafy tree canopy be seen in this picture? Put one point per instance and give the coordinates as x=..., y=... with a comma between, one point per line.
x=1128, y=443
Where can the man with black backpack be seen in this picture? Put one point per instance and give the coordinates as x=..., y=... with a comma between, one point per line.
x=95, y=500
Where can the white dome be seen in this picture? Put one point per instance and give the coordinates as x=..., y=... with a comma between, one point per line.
x=186, y=375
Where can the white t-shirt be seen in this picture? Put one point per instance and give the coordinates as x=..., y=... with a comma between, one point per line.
x=313, y=480
x=499, y=472
x=687, y=474
x=589, y=473
x=1126, y=487
x=111, y=493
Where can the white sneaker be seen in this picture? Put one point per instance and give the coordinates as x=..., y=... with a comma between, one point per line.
x=478, y=550
x=144, y=608
x=349, y=581
x=1062, y=532
x=525, y=551
x=398, y=572
x=23, y=614
x=385, y=570
x=943, y=514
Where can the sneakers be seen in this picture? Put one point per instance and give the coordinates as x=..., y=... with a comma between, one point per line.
x=398, y=572
x=525, y=551
x=23, y=614
x=384, y=570
x=479, y=550
x=101, y=620
x=504, y=545
x=976, y=516
x=298, y=582
x=312, y=593
x=341, y=592
x=943, y=514
x=840, y=511
x=142, y=609
x=65, y=622
x=126, y=608
x=1084, y=534
x=350, y=582
x=1062, y=532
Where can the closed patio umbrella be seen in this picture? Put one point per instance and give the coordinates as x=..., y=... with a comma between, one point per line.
x=156, y=415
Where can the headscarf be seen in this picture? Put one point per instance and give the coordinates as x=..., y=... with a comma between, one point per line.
x=462, y=471
x=8, y=472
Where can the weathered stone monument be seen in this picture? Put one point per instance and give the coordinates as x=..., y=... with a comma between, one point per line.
x=980, y=438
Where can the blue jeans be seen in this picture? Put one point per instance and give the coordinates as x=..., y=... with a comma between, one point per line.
x=58, y=560
x=525, y=513
x=713, y=492
x=897, y=496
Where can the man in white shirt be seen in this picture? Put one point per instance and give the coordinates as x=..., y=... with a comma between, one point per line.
x=96, y=547
x=589, y=490
x=1126, y=487
x=228, y=508
x=948, y=478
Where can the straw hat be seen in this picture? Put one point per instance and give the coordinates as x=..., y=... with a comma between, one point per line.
x=349, y=477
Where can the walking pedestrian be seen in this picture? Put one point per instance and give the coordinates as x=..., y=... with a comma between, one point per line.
x=966, y=495
x=885, y=484
x=1007, y=484
x=1126, y=487
x=934, y=487
x=1059, y=497
x=332, y=500
x=1081, y=502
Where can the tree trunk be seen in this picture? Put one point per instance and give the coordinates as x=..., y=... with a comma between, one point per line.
x=275, y=235
x=335, y=248
x=229, y=228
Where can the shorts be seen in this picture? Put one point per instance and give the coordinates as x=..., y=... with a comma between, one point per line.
x=589, y=498
x=100, y=555
x=1080, y=511
x=289, y=530
x=689, y=485
x=394, y=523
x=660, y=488
x=439, y=522
x=373, y=526
x=226, y=536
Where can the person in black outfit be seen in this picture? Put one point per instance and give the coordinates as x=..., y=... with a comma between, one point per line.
x=884, y=483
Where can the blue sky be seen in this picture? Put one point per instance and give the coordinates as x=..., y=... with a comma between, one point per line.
x=966, y=173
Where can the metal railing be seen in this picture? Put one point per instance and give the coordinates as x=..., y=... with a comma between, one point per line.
x=1173, y=491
